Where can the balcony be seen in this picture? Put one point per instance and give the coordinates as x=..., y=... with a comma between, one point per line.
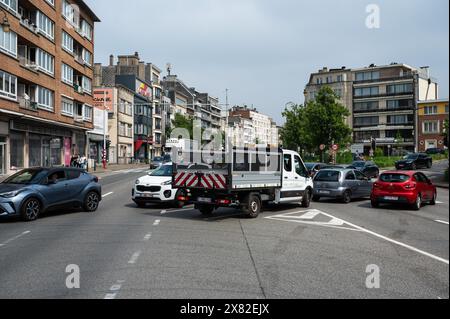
x=27, y=104
x=78, y=88
x=381, y=95
x=27, y=63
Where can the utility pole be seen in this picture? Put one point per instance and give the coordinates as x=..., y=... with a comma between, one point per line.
x=104, y=130
x=227, y=137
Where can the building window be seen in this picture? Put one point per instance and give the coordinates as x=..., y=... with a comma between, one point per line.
x=87, y=85
x=368, y=91
x=10, y=4
x=45, y=61
x=399, y=104
x=68, y=11
x=8, y=85
x=446, y=109
x=367, y=121
x=366, y=106
x=431, y=110
x=67, y=42
x=400, y=89
x=8, y=42
x=45, y=25
x=67, y=107
x=67, y=74
x=87, y=57
x=45, y=98
x=367, y=76
x=86, y=29
x=340, y=78
x=52, y=2
x=87, y=113
x=431, y=127
x=16, y=141
x=399, y=119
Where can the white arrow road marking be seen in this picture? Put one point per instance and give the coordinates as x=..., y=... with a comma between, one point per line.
x=14, y=238
x=307, y=218
x=134, y=258
x=442, y=222
x=114, y=290
x=157, y=222
x=148, y=237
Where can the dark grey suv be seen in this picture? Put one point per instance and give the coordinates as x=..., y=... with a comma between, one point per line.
x=33, y=191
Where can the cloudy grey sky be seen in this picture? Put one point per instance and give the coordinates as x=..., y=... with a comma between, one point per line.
x=264, y=50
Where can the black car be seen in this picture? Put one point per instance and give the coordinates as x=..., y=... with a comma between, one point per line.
x=369, y=168
x=434, y=151
x=414, y=161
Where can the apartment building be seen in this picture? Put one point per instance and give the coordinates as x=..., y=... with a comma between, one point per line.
x=46, y=102
x=118, y=101
x=263, y=129
x=143, y=79
x=339, y=80
x=432, y=116
x=382, y=100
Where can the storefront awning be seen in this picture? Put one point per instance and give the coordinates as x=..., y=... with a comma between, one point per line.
x=138, y=145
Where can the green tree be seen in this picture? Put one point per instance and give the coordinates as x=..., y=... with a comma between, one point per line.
x=182, y=121
x=320, y=121
x=445, y=133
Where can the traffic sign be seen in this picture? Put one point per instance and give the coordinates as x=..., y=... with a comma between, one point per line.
x=335, y=147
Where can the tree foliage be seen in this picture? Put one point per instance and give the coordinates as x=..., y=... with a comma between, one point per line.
x=320, y=121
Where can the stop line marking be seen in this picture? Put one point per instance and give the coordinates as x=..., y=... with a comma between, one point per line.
x=311, y=214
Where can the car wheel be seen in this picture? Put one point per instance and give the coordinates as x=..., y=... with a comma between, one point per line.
x=418, y=204
x=375, y=203
x=91, y=202
x=347, y=197
x=206, y=210
x=253, y=206
x=306, y=202
x=434, y=200
x=31, y=209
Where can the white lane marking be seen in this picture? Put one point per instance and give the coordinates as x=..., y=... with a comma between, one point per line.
x=442, y=222
x=163, y=212
x=14, y=238
x=157, y=222
x=108, y=194
x=439, y=203
x=114, y=290
x=134, y=258
x=419, y=251
x=148, y=237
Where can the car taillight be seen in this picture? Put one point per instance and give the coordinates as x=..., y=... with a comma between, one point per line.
x=182, y=198
x=410, y=186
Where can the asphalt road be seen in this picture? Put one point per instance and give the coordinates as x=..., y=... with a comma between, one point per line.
x=288, y=252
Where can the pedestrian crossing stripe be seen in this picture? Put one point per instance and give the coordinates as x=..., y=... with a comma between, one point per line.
x=309, y=217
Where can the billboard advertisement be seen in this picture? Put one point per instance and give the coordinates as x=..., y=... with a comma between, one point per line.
x=104, y=97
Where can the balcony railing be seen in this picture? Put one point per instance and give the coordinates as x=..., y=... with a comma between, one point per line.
x=27, y=104
x=27, y=63
x=30, y=25
x=380, y=110
x=381, y=95
x=388, y=79
x=78, y=88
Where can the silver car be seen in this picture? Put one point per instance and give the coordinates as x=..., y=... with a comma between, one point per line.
x=344, y=184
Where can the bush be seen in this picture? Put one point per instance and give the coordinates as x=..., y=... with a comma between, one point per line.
x=386, y=162
x=379, y=152
x=344, y=158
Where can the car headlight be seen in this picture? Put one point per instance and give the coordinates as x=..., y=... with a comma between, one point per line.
x=10, y=194
x=167, y=183
x=138, y=182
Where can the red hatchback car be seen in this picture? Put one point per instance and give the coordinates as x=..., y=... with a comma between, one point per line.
x=407, y=188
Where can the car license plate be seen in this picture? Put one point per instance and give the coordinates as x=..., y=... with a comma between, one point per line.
x=391, y=198
x=204, y=200
x=148, y=195
x=325, y=192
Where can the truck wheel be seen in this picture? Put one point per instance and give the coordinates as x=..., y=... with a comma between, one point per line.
x=206, y=210
x=176, y=202
x=254, y=206
x=306, y=202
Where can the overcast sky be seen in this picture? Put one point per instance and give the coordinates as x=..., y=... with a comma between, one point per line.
x=264, y=50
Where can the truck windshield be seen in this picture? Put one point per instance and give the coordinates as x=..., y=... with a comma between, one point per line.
x=328, y=176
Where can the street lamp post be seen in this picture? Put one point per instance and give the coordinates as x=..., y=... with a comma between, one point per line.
x=6, y=26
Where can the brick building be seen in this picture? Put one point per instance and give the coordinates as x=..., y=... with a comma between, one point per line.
x=432, y=115
x=46, y=59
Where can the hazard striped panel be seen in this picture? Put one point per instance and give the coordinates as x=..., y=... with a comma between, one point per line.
x=213, y=181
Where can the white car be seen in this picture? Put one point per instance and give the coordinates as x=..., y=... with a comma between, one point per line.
x=156, y=187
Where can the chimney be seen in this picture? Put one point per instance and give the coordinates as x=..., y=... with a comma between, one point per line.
x=111, y=60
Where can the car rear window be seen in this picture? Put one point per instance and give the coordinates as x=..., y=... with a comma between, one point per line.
x=394, y=178
x=328, y=176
